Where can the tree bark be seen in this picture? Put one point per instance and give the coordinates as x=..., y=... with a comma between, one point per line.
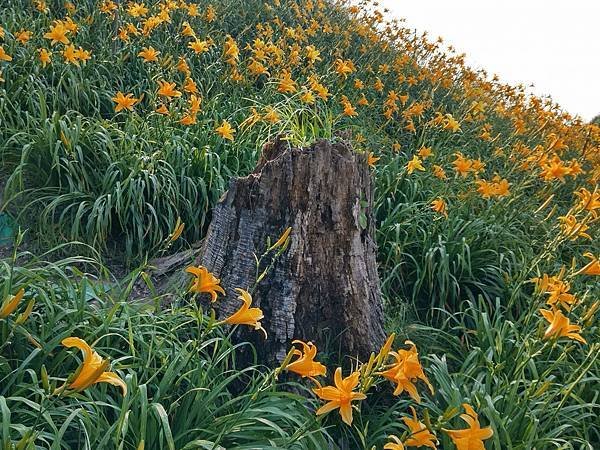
x=324, y=288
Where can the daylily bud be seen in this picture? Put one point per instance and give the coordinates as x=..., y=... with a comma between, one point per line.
x=179, y=225
x=25, y=314
x=45, y=379
x=282, y=240
x=9, y=304
x=588, y=317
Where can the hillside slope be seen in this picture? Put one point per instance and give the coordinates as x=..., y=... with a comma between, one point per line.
x=119, y=118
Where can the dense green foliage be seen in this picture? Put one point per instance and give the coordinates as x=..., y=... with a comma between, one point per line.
x=85, y=179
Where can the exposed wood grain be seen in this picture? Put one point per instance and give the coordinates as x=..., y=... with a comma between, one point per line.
x=325, y=287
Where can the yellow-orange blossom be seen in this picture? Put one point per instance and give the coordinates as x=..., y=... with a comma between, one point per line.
x=341, y=395
x=93, y=368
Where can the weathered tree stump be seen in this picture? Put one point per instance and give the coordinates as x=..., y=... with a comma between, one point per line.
x=324, y=288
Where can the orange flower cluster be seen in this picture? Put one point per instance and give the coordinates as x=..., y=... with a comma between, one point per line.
x=498, y=187
x=405, y=371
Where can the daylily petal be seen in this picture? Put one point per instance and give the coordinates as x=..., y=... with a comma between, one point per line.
x=346, y=413
x=327, y=407
x=327, y=393
x=81, y=345
x=412, y=391
x=114, y=379
x=337, y=377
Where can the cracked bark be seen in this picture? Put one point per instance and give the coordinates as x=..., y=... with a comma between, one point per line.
x=324, y=288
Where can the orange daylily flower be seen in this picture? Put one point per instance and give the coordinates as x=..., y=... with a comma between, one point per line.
x=193, y=10
x=205, y=282
x=589, y=201
x=44, y=56
x=199, y=46
x=591, y=268
x=58, y=33
x=286, y=84
x=439, y=206
x=363, y=101
x=271, y=115
x=414, y=164
x=182, y=66
x=485, y=188
x=349, y=110
x=560, y=326
x=257, y=68
x=344, y=67
x=41, y=6
x=71, y=55
x=225, y=130
x=167, y=89
x=23, y=36
x=312, y=54
x=501, y=187
x=124, y=101
x=462, y=165
x=83, y=55
x=439, y=172
x=559, y=293
x=406, y=371
x=231, y=51
x=149, y=54
x=3, y=55
x=419, y=436
x=70, y=25
x=137, y=9
x=341, y=395
x=93, y=368
x=395, y=444
x=305, y=365
x=307, y=97
x=188, y=120
x=478, y=165
x=162, y=109
x=210, y=14
x=548, y=283
x=555, y=169
x=372, y=159
x=187, y=30
x=195, y=103
x=425, y=152
x=470, y=438
x=451, y=124
x=251, y=120
x=572, y=228
x=246, y=315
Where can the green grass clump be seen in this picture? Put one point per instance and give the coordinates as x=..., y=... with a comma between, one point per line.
x=185, y=388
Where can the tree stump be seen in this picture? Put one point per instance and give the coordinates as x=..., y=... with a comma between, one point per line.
x=324, y=288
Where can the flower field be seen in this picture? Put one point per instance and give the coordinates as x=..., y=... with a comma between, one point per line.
x=121, y=125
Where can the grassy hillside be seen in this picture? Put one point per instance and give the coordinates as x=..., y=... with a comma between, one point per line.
x=119, y=118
